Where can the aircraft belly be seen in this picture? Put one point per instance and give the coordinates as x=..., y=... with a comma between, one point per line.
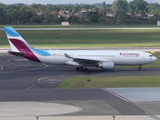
x=128, y=61
x=54, y=60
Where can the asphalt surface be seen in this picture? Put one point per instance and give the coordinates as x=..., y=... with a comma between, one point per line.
x=24, y=80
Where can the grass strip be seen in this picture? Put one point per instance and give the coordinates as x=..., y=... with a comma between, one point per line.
x=111, y=82
x=88, y=38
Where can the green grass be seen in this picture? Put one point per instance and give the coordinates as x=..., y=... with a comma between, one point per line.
x=88, y=38
x=111, y=82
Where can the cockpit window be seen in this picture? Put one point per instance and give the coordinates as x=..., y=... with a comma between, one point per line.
x=150, y=55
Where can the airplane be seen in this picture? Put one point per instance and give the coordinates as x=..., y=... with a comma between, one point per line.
x=82, y=59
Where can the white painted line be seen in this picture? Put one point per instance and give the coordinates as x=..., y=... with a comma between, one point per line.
x=116, y=95
x=153, y=116
x=1, y=67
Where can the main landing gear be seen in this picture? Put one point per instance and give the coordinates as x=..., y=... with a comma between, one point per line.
x=81, y=69
x=140, y=68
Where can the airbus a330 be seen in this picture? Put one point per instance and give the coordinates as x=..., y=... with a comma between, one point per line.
x=83, y=59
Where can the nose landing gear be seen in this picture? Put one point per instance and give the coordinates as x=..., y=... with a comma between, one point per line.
x=140, y=68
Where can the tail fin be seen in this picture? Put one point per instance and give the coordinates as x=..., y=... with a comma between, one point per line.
x=19, y=45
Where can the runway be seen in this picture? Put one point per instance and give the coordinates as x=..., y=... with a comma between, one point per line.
x=24, y=80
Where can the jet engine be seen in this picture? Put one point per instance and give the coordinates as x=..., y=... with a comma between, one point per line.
x=109, y=65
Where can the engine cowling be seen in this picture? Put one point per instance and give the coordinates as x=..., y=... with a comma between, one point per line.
x=109, y=65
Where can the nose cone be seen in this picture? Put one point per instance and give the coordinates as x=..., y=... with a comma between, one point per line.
x=154, y=58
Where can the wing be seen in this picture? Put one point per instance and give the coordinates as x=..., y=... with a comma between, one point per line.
x=91, y=62
x=87, y=61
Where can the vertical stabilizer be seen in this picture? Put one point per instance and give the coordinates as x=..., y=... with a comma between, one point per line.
x=19, y=45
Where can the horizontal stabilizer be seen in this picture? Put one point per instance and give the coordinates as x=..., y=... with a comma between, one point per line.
x=21, y=54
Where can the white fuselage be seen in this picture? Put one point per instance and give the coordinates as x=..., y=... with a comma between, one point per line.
x=117, y=57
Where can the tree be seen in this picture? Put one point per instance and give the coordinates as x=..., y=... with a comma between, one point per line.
x=102, y=20
x=152, y=6
x=104, y=8
x=94, y=18
x=120, y=6
x=37, y=13
x=120, y=18
x=138, y=5
x=35, y=19
x=1, y=4
x=62, y=19
x=87, y=6
x=152, y=20
x=156, y=12
x=114, y=6
x=75, y=19
x=24, y=14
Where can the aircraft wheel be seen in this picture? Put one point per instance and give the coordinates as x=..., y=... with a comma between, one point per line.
x=140, y=69
x=86, y=69
x=81, y=69
x=77, y=69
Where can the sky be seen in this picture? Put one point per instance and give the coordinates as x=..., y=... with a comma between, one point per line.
x=64, y=1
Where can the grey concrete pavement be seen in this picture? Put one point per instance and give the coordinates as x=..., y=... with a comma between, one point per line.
x=78, y=118
x=138, y=94
x=11, y=109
